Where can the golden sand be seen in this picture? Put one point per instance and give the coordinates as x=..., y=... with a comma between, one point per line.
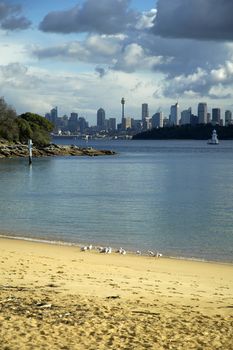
x=57, y=297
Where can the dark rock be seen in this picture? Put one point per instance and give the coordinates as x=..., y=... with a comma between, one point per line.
x=20, y=150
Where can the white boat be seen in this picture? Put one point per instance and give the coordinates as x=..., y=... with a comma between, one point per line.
x=214, y=139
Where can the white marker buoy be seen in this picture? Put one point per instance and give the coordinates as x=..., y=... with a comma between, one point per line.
x=30, y=151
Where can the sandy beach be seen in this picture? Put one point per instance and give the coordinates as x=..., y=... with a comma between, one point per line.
x=57, y=297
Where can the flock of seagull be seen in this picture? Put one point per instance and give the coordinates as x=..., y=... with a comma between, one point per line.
x=109, y=250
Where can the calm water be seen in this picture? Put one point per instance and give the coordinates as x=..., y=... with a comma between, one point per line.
x=174, y=196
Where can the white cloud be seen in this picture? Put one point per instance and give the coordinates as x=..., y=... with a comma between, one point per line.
x=12, y=52
x=134, y=57
x=147, y=19
x=38, y=90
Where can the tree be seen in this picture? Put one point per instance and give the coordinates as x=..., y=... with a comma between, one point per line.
x=35, y=126
x=8, y=127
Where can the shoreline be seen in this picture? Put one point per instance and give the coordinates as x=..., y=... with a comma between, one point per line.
x=95, y=248
x=57, y=297
x=18, y=150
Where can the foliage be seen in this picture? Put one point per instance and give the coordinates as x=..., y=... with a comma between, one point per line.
x=8, y=127
x=24, y=127
x=38, y=127
x=187, y=132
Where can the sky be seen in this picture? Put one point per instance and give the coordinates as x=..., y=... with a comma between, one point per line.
x=80, y=55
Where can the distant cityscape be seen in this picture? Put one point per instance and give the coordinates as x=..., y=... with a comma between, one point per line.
x=79, y=126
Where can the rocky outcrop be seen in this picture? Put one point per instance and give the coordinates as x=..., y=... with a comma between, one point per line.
x=17, y=150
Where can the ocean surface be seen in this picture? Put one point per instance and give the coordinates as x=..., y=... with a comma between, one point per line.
x=172, y=196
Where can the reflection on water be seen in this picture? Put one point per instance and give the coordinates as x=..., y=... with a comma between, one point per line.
x=170, y=195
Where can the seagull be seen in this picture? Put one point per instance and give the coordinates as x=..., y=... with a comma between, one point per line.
x=158, y=255
x=121, y=251
x=83, y=249
x=151, y=253
x=106, y=250
x=89, y=247
x=138, y=252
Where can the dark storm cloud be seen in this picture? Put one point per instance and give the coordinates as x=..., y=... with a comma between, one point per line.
x=185, y=55
x=14, y=23
x=7, y=9
x=105, y=17
x=9, y=19
x=195, y=19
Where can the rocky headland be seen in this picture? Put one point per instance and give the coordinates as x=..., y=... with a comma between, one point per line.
x=18, y=150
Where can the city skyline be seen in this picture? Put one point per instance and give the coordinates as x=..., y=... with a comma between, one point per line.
x=87, y=54
x=129, y=126
x=200, y=109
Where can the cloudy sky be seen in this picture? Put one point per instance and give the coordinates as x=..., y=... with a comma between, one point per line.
x=80, y=55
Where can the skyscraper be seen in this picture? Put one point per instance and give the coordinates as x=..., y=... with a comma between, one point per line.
x=54, y=115
x=112, y=124
x=73, y=122
x=174, y=115
x=145, y=111
x=228, y=118
x=186, y=116
x=157, y=120
x=202, y=113
x=101, y=119
x=216, y=116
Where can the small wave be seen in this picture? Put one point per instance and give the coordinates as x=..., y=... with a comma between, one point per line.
x=38, y=240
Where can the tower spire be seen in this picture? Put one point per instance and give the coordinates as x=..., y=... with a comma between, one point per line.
x=123, y=108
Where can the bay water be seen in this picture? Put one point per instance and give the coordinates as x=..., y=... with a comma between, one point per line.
x=172, y=196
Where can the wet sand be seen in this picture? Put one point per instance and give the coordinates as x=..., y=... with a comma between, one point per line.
x=57, y=297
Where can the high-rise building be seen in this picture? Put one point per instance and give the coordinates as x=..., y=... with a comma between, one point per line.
x=137, y=125
x=126, y=123
x=186, y=116
x=228, y=118
x=216, y=116
x=73, y=122
x=174, y=115
x=202, y=113
x=193, y=120
x=53, y=117
x=145, y=111
x=101, y=119
x=112, y=124
x=157, y=120
x=82, y=124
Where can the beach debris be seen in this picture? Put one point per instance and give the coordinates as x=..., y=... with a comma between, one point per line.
x=52, y=285
x=145, y=312
x=43, y=305
x=113, y=297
